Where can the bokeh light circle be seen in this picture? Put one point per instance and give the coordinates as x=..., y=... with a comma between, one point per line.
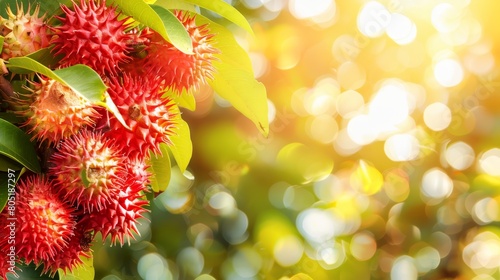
x=437, y=116
x=459, y=155
x=402, y=147
x=489, y=162
x=436, y=184
x=448, y=72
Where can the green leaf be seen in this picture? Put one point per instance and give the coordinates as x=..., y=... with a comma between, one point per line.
x=4, y=196
x=226, y=10
x=159, y=19
x=5, y=184
x=184, y=100
x=85, y=271
x=181, y=148
x=92, y=89
x=110, y=106
x=15, y=144
x=7, y=163
x=176, y=5
x=11, y=117
x=1, y=43
x=45, y=57
x=160, y=168
x=234, y=79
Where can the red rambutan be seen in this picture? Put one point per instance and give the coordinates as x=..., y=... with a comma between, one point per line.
x=43, y=224
x=149, y=116
x=89, y=170
x=119, y=217
x=70, y=257
x=183, y=71
x=91, y=34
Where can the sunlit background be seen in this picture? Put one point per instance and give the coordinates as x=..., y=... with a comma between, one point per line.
x=382, y=161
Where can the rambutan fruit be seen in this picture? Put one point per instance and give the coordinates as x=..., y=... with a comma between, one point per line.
x=183, y=71
x=23, y=33
x=91, y=33
x=89, y=170
x=70, y=257
x=55, y=111
x=138, y=172
x=119, y=217
x=149, y=117
x=43, y=223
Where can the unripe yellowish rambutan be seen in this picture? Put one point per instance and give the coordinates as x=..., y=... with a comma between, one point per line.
x=55, y=111
x=23, y=33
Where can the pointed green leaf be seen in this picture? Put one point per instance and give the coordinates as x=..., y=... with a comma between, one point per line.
x=176, y=5
x=225, y=10
x=159, y=19
x=92, y=89
x=85, y=271
x=11, y=117
x=8, y=181
x=234, y=79
x=4, y=186
x=177, y=33
x=45, y=57
x=159, y=166
x=16, y=145
x=181, y=148
x=7, y=163
x=110, y=106
x=245, y=94
x=184, y=100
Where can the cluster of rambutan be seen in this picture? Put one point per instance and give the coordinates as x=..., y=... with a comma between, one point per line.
x=97, y=174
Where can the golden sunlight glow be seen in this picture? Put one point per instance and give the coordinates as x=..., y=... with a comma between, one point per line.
x=366, y=178
x=308, y=9
x=448, y=72
x=446, y=17
x=459, y=155
x=489, y=162
x=344, y=145
x=362, y=130
x=401, y=29
x=363, y=246
x=316, y=225
x=373, y=19
x=437, y=116
x=323, y=128
x=351, y=75
x=436, y=184
x=401, y=147
x=389, y=107
x=483, y=251
x=349, y=103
